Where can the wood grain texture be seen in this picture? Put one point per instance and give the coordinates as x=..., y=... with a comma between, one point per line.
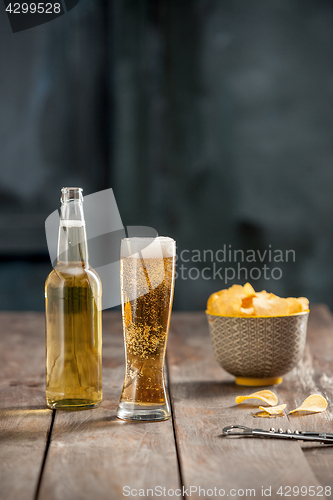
x=203, y=398
x=314, y=375
x=24, y=418
x=94, y=455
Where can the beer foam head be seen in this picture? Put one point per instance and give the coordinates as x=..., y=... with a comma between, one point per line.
x=148, y=248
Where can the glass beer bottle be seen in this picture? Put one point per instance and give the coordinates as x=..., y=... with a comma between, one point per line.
x=73, y=294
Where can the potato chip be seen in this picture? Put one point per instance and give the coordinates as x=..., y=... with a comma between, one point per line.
x=267, y=396
x=247, y=302
x=266, y=295
x=273, y=410
x=314, y=404
x=295, y=306
x=248, y=289
x=305, y=303
x=236, y=291
x=243, y=301
x=273, y=306
x=226, y=307
x=214, y=297
x=248, y=311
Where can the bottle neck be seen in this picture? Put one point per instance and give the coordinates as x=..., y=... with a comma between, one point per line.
x=72, y=241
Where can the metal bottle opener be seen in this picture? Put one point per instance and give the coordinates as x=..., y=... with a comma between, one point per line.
x=240, y=430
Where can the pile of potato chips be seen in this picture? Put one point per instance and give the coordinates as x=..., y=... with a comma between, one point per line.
x=243, y=301
x=312, y=404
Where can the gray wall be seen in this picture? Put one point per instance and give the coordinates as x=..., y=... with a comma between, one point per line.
x=212, y=121
x=52, y=133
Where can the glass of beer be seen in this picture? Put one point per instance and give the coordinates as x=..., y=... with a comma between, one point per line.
x=147, y=275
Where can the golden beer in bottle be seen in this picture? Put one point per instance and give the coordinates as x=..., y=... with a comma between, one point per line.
x=73, y=295
x=147, y=269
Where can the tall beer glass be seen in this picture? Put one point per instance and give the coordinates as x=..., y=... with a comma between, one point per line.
x=147, y=273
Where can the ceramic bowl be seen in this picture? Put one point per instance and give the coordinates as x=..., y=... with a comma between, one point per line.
x=258, y=350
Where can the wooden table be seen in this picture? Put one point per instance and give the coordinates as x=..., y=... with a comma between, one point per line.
x=91, y=454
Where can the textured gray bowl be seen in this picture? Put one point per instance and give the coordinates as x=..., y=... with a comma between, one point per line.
x=258, y=348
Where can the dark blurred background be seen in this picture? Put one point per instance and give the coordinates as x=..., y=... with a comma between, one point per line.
x=210, y=119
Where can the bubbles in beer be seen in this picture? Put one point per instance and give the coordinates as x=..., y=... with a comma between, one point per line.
x=146, y=323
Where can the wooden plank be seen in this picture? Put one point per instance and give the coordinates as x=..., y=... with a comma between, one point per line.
x=314, y=375
x=91, y=448
x=94, y=455
x=24, y=418
x=203, y=398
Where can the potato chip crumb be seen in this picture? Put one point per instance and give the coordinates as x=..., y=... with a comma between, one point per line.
x=273, y=410
x=264, y=414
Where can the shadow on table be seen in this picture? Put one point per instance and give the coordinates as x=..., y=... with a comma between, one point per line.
x=94, y=423
x=205, y=390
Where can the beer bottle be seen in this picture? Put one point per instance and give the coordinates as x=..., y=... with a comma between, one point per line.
x=73, y=294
